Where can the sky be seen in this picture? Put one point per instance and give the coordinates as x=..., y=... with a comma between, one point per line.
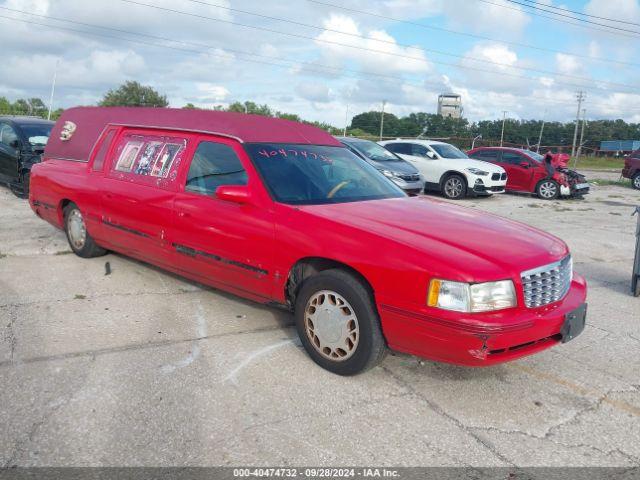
x=327, y=60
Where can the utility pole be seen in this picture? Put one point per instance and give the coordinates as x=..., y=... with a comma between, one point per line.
x=53, y=89
x=581, y=96
x=584, y=124
x=504, y=119
x=346, y=120
x=384, y=104
x=544, y=119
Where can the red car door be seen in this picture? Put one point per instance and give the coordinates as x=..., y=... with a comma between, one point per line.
x=519, y=170
x=138, y=193
x=220, y=241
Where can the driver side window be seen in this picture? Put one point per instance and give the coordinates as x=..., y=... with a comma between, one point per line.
x=8, y=135
x=419, y=150
x=213, y=165
x=513, y=158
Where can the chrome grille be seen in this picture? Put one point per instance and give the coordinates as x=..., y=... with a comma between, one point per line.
x=410, y=177
x=547, y=284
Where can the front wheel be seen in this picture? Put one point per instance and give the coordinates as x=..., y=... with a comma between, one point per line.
x=548, y=190
x=338, y=323
x=636, y=181
x=454, y=187
x=79, y=239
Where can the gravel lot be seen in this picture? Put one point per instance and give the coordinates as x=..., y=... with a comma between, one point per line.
x=144, y=368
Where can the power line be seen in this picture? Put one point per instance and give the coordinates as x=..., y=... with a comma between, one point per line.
x=314, y=67
x=585, y=14
x=606, y=30
x=585, y=20
x=394, y=43
x=472, y=35
x=417, y=59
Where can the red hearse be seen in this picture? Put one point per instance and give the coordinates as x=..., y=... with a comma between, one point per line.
x=548, y=176
x=282, y=213
x=631, y=169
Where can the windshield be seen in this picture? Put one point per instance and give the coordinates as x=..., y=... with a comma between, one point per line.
x=38, y=135
x=374, y=151
x=536, y=156
x=448, y=151
x=311, y=174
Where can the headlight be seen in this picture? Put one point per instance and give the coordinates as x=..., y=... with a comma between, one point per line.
x=465, y=297
x=387, y=173
x=477, y=171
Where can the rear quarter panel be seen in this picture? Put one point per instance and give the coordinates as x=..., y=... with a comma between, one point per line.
x=54, y=182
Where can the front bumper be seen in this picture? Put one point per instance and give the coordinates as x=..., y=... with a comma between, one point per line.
x=412, y=188
x=485, y=185
x=481, y=339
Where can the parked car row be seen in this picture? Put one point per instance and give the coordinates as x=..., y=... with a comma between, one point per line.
x=284, y=214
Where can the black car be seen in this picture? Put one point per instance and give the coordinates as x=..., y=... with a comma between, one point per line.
x=22, y=142
x=399, y=171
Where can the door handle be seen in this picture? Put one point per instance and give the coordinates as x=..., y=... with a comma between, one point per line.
x=184, y=214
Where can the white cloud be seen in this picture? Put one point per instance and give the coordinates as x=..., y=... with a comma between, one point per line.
x=314, y=92
x=569, y=65
x=499, y=18
x=349, y=47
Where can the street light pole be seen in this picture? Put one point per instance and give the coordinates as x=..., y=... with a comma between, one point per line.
x=504, y=119
x=541, y=130
x=53, y=89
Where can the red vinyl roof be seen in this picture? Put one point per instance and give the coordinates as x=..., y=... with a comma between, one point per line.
x=91, y=121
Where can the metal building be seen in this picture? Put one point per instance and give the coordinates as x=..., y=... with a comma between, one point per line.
x=450, y=105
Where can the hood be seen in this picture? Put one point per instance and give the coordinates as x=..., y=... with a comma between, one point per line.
x=461, y=163
x=478, y=245
x=397, y=166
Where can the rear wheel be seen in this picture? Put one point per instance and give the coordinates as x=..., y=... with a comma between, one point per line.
x=636, y=181
x=79, y=239
x=548, y=189
x=454, y=187
x=338, y=323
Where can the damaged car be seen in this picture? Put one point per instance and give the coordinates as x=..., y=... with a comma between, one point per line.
x=22, y=142
x=547, y=176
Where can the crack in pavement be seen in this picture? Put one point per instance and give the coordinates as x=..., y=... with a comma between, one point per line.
x=142, y=346
x=9, y=335
x=440, y=411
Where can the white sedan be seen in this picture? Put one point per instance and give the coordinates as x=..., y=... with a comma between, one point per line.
x=447, y=169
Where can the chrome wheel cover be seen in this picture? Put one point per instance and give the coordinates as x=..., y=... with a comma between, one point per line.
x=636, y=182
x=76, y=229
x=548, y=190
x=453, y=187
x=331, y=325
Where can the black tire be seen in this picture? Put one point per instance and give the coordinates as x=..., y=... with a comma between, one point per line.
x=635, y=182
x=454, y=187
x=370, y=349
x=548, y=189
x=89, y=247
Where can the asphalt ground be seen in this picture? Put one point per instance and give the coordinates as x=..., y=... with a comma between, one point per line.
x=143, y=368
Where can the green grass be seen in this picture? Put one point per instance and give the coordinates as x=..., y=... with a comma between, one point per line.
x=621, y=183
x=599, y=163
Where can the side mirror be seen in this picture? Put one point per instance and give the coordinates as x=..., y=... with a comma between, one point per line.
x=15, y=144
x=524, y=164
x=233, y=193
x=431, y=155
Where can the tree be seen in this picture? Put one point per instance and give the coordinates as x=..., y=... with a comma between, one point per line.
x=133, y=94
